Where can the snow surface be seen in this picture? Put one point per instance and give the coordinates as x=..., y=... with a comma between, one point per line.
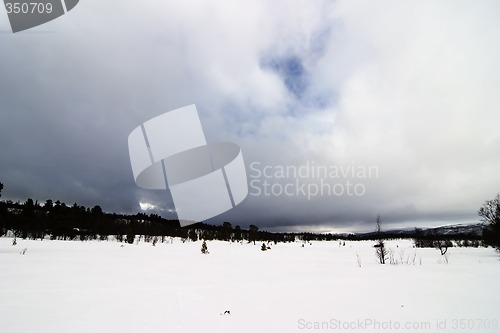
x=72, y=286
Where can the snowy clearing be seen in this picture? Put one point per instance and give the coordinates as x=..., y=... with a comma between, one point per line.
x=72, y=286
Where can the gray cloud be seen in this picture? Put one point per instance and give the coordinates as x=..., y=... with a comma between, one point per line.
x=409, y=88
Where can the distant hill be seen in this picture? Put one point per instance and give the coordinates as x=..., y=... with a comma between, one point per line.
x=448, y=231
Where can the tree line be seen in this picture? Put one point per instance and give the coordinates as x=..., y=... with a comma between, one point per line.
x=56, y=220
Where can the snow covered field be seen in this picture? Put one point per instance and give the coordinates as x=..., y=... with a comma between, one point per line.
x=59, y=286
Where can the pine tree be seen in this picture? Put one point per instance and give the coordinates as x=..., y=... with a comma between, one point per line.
x=130, y=235
x=193, y=236
x=253, y=233
x=204, y=248
x=381, y=251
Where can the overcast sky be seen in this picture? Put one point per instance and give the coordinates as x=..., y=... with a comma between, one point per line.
x=410, y=89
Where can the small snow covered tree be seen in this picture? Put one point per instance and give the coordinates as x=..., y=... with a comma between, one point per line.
x=204, y=248
x=381, y=250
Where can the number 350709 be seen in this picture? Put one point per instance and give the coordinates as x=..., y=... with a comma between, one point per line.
x=28, y=7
